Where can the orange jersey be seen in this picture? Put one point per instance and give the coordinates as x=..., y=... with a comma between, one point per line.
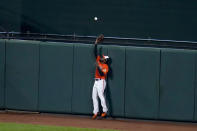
x=104, y=69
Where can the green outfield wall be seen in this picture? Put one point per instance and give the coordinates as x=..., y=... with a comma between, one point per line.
x=57, y=77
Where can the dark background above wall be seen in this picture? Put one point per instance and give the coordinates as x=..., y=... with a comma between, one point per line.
x=163, y=19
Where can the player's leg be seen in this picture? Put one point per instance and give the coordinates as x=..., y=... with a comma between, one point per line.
x=95, y=100
x=101, y=89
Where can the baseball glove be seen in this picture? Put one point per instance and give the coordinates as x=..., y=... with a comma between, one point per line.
x=99, y=39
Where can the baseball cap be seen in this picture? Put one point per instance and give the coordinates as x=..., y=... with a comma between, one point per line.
x=106, y=57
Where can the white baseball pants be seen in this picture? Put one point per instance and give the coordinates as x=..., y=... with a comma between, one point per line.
x=98, y=91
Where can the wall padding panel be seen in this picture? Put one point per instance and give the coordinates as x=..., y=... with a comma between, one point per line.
x=142, y=82
x=2, y=71
x=177, y=84
x=55, y=85
x=22, y=71
x=83, y=79
x=116, y=80
x=195, y=111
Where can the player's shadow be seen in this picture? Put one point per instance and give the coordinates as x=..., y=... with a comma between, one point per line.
x=108, y=88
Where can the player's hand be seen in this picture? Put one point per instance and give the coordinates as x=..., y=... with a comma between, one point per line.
x=99, y=39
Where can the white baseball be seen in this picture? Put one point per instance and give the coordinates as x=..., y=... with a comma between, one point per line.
x=95, y=18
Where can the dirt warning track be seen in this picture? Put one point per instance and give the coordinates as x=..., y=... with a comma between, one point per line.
x=87, y=122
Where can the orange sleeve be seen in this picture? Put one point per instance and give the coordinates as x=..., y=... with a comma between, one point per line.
x=98, y=58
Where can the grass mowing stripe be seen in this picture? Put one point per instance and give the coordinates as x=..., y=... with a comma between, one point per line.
x=29, y=127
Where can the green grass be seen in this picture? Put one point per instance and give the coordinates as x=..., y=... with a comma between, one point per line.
x=29, y=127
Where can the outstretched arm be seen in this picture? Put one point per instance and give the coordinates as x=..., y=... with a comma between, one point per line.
x=95, y=50
x=98, y=40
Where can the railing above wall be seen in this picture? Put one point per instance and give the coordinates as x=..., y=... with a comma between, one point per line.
x=108, y=40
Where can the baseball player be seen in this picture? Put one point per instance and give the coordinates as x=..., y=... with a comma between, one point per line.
x=100, y=81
